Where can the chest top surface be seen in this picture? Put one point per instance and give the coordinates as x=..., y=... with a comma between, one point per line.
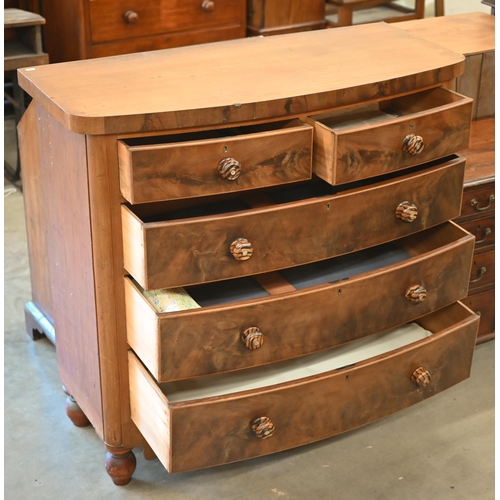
x=238, y=80
x=470, y=33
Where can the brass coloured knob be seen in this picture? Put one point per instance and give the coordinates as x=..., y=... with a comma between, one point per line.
x=241, y=249
x=406, y=211
x=229, y=169
x=421, y=377
x=263, y=427
x=253, y=338
x=413, y=144
x=416, y=294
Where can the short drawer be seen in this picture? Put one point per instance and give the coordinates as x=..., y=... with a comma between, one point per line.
x=225, y=418
x=214, y=162
x=123, y=19
x=483, y=270
x=382, y=137
x=166, y=248
x=483, y=230
x=479, y=201
x=254, y=321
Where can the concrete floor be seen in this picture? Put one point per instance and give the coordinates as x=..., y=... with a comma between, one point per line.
x=440, y=449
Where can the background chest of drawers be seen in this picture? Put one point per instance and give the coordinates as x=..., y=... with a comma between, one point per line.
x=100, y=28
x=473, y=35
x=304, y=209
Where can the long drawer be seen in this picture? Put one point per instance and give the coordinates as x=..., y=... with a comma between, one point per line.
x=123, y=19
x=179, y=248
x=374, y=139
x=253, y=321
x=277, y=412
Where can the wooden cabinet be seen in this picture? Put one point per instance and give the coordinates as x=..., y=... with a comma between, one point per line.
x=100, y=28
x=242, y=261
x=274, y=17
x=478, y=217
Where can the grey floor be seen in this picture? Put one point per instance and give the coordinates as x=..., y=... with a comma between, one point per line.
x=440, y=449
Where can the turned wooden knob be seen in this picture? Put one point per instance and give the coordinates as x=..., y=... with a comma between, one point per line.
x=263, y=427
x=416, y=294
x=421, y=377
x=131, y=17
x=413, y=144
x=406, y=211
x=241, y=249
x=208, y=5
x=229, y=168
x=253, y=338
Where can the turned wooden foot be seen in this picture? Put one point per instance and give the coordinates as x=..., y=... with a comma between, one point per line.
x=75, y=413
x=120, y=465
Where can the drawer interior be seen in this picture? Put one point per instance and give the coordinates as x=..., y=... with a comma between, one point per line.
x=338, y=358
x=207, y=135
x=310, y=275
x=294, y=369
x=373, y=114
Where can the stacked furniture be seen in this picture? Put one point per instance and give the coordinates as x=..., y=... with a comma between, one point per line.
x=100, y=28
x=22, y=47
x=473, y=35
x=296, y=202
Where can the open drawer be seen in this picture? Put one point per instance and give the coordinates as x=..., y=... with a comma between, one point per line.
x=224, y=418
x=289, y=226
x=249, y=322
x=216, y=161
x=374, y=139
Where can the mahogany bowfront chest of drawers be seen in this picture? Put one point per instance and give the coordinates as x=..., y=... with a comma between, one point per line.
x=292, y=201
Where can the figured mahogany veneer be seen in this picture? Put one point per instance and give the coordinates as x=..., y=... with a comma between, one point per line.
x=372, y=140
x=304, y=410
x=176, y=167
x=287, y=234
x=208, y=341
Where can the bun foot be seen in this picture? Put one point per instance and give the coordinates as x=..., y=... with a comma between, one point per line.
x=120, y=465
x=75, y=413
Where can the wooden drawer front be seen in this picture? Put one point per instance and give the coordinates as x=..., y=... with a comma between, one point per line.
x=483, y=304
x=368, y=142
x=483, y=230
x=483, y=270
x=179, y=345
x=228, y=160
x=157, y=42
x=200, y=249
x=193, y=434
x=479, y=201
x=122, y=19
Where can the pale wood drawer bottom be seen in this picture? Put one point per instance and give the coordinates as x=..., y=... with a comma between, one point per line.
x=210, y=431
